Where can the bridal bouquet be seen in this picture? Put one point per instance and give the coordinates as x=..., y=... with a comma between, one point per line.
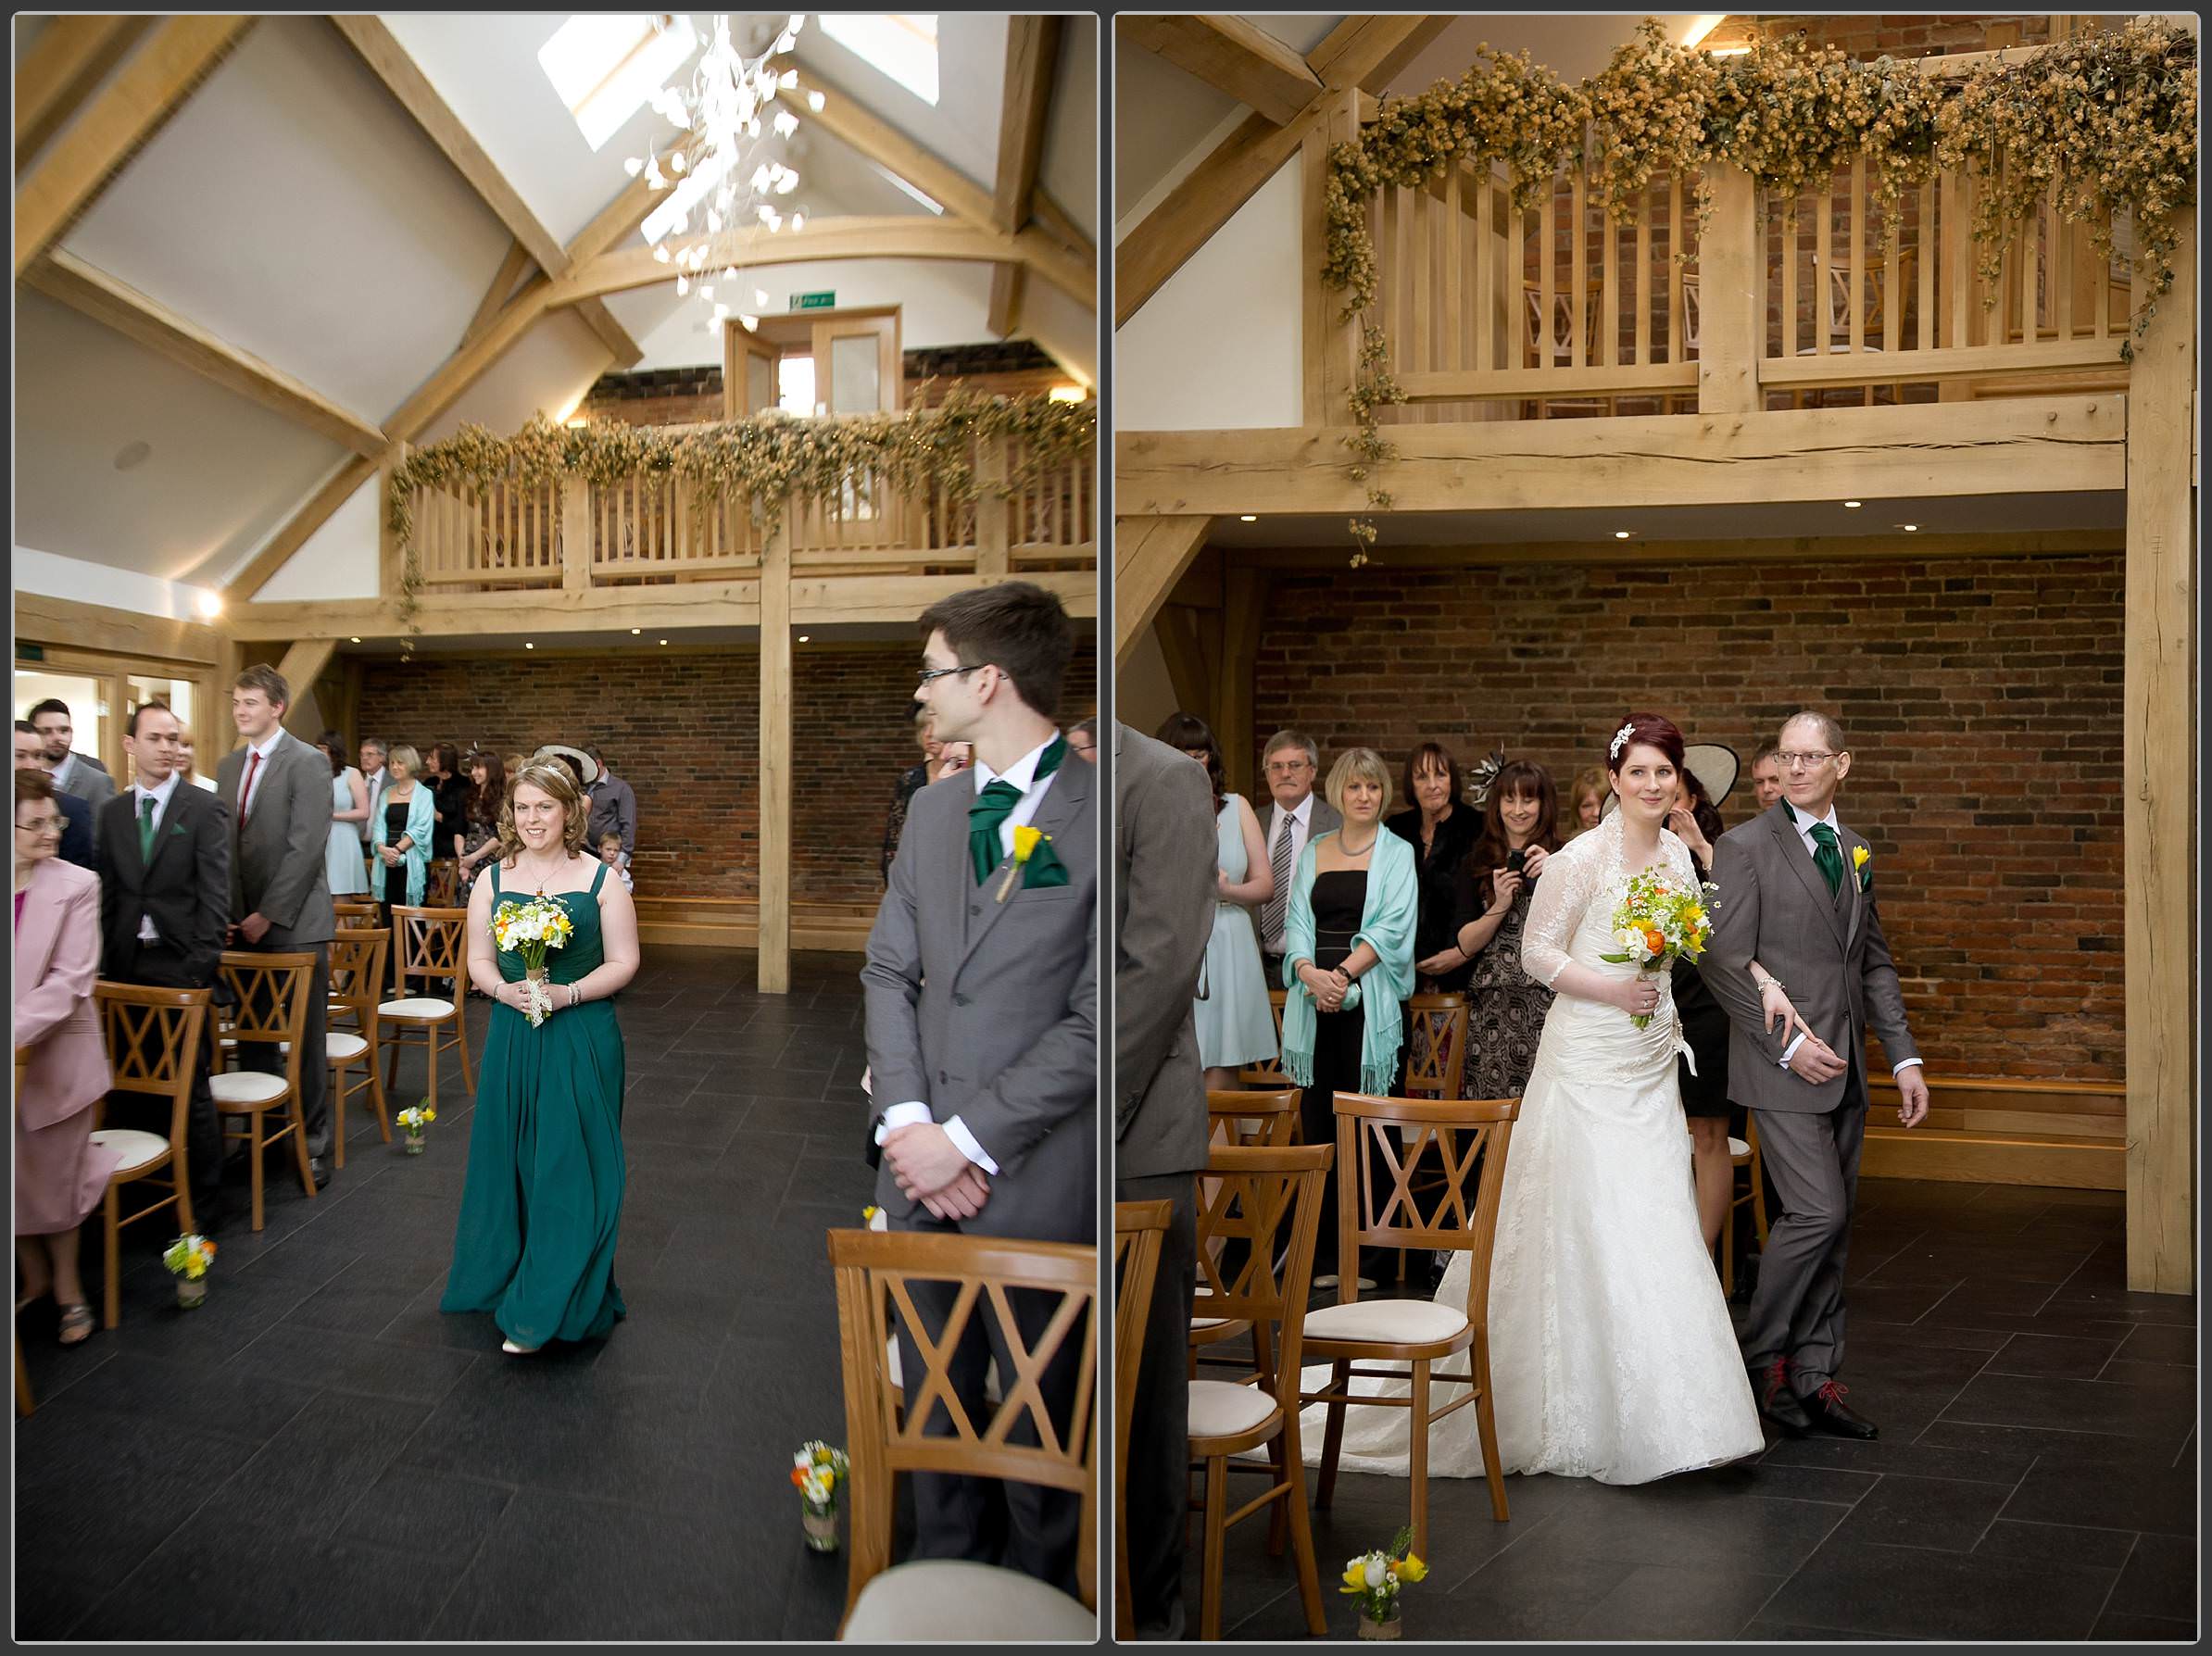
x=1659, y=918
x=529, y=927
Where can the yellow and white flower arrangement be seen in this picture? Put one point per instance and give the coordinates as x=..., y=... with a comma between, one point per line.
x=414, y=1119
x=528, y=927
x=1659, y=918
x=189, y=1256
x=1375, y=1579
x=818, y=1473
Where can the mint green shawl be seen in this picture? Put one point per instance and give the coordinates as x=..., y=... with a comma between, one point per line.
x=1386, y=924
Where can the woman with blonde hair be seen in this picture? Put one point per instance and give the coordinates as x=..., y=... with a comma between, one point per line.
x=1586, y=801
x=543, y=1201
x=404, y=827
x=1347, y=962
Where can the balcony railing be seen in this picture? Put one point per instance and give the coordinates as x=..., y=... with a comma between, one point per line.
x=650, y=530
x=1564, y=308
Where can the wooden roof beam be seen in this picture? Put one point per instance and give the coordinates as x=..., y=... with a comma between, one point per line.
x=1032, y=58
x=1230, y=56
x=179, y=53
x=68, y=59
x=61, y=275
x=844, y=119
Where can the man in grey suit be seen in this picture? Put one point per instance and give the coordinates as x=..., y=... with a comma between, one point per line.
x=1292, y=762
x=278, y=790
x=1164, y=907
x=1797, y=896
x=982, y=1011
x=77, y=775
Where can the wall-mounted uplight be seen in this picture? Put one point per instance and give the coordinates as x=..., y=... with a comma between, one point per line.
x=209, y=604
x=664, y=640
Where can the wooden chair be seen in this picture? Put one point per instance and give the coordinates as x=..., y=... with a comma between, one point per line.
x=270, y=1006
x=1229, y=1418
x=1269, y=1074
x=1744, y=1154
x=1415, y=1332
x=1436, y=1044
x=356, y=990
x=430, y=943
x=1139, y=1228
x=441, y=884
x=153, y=1036
x=358, y=914
x=1247, y=1119
x=947, y=1601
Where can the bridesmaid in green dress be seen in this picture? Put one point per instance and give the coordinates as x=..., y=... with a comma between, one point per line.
x=543, y=1196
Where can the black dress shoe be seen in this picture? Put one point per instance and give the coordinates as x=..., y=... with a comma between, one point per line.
x=1776, y=1402
x=1829, y=1412
x=319, y=1169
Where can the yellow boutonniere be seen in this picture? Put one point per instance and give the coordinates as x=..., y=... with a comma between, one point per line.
x=1860, y=857
x=1025, y=841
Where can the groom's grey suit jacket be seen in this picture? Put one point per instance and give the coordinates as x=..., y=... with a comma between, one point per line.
x=1774, y=907
x=988, y=1011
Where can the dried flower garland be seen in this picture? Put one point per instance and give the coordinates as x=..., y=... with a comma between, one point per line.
x=2119, y=108
x=769, y=458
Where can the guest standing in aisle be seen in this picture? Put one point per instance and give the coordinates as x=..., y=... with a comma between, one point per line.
x=1506, y=1008
x=349, y=810
x=1292, y=766
x=405, y=826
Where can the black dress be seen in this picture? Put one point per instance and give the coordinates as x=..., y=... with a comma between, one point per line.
x=1705, y=1027
x=1437, y=874
x=1340, y=900
x=449, y=804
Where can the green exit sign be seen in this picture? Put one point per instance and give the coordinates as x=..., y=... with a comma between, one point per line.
x=825, y=301
x=31, y=652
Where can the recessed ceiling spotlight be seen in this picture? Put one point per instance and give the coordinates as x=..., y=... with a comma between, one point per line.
x=1853, y=505
x=802, y=638
x=1622, y=534
x=635, y=631
x=530, y=647
x=1910, y=528
x=664, y=640
x=357, y=638
x=1250, y=517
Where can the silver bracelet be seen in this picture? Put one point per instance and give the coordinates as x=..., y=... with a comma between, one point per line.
x=1769, y=982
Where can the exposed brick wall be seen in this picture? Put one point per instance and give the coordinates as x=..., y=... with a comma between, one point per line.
x=684, y=730
x=1981, y=699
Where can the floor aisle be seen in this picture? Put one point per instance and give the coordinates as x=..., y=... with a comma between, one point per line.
x=318, y=1454
x=2035, y=1477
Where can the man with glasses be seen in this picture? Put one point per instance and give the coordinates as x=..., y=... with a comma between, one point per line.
x=1292, y=763
x=1797, y=896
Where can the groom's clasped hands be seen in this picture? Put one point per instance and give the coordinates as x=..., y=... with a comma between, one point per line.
x=935, y=1172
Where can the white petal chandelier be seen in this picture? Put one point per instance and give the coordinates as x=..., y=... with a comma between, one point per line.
x=727, y=178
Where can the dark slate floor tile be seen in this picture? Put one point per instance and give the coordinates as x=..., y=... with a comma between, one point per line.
x=246, y=1408
x=1900, y=1454
x=354, y=1363
x=1688, y=1528
x=802, y=1116
x=2057, y=1544
x=1664, y=1603
x=266, y=1583
x=1902, y=1302
x=411, y=1507
x=2152, y=1342
x=2132, y=1630
x=2112, y=1495
x=367, y=1294
x=1524, y=1593
x=706, y=1130
x=2057, y=1357
x=302, y=1480
x=768, y=1080
x=2155, y=1414
x=2159, y=1579
x=1948, y=1513
x=1926, y=1593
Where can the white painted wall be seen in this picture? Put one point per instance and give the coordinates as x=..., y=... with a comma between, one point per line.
x=50, y=575
x=1218, y=347
x=339, y=559
x=941, y=303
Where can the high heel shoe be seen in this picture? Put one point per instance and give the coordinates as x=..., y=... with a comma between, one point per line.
x=514, y=1351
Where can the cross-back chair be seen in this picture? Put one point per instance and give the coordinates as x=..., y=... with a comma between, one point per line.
x=356, y=990
x=364, y=915
x=1415, y=1334
x=1249, y=1119
x=1435, y=1060
x=441, y=884
x=153, y=1038
x=877, y=1275
x=1139, y=1228
x=1270, y=1074
x=1279, y=1189
x=269, y=995
x=432, y=943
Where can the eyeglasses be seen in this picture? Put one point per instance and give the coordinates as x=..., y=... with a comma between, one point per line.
x=1288, y=767
x=51, y=825
x=930, y=674
x=1802, y=761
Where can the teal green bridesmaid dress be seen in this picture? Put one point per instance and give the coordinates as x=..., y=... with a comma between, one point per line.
x=543, y=1196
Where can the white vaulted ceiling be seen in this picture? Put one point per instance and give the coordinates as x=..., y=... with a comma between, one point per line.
x=293, y=209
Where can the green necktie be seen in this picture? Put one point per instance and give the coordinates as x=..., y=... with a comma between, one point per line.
x=1827, y=857
x=995, y=804
x=145, y=828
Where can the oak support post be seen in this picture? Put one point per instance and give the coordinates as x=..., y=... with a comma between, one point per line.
x=2159, y=787
x=1330, y=343
x=389, y=562
x=1732, y=274
x=994, y=511
x=1150, y=555
x=775, y=947
x=575, y=533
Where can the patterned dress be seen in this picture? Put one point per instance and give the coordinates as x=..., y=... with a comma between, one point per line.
x=1505, y=1006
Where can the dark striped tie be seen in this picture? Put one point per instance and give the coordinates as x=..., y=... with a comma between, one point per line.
x=1277, y=906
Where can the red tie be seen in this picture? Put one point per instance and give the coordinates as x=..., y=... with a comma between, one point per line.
x=245, y=794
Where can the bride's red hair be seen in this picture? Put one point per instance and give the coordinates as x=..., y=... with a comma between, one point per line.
x=1650, y=730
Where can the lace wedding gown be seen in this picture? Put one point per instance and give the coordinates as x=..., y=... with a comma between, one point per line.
x=1612, y=1355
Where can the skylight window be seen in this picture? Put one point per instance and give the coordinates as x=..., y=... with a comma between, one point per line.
x=607, y=67
x=901, y=45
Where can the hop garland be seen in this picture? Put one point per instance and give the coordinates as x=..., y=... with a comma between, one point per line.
x=2118, y=108
x=769, y=459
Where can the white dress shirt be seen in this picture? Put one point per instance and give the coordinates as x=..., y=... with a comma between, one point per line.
x=206, y=784
x=1804, y=826
x=1021, y=775
x=250, y=786
x=160, y=797
x=1302, y=829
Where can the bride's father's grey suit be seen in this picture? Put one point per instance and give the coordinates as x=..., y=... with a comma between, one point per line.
x=982, y=1004
x=1797, y=896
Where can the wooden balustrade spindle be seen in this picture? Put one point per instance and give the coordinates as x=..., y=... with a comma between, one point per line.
x=1926, y=246
x=1857, y=311
x=1644, y=282
x=1547, y=231
x=1578, y=275
x=1485, y=263
x=1677, y=348
x=1791, y=225
x=1893, y=305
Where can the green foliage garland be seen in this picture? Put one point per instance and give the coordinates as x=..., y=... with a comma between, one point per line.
x=2111, y=118
x=767, y=459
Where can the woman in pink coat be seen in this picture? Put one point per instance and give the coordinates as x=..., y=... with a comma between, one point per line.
x=60, y=1174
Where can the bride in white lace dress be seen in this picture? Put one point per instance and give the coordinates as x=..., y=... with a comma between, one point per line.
x=1612, y=1355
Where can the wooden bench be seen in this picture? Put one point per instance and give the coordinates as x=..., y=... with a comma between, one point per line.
x=735, y=923
x=1994, y=1130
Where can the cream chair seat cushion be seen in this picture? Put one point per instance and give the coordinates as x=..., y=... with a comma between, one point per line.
x=140, y=1149
x=1738, y=1146
x=954, y=1603
x=421, y=1006
x=1387, y=1321
x=1221, y=1409
x=246, y=1086
x=339, y=1047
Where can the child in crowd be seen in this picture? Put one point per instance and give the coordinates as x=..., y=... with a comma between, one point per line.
x=610, y=853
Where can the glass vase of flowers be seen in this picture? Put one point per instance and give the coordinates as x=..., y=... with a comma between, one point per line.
x=188, y=1259
x=818, y=1473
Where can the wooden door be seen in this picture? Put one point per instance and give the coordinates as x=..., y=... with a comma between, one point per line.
x=857, y=365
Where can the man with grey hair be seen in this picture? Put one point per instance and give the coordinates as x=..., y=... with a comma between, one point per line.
x=1797, y=896
x=1292, y=764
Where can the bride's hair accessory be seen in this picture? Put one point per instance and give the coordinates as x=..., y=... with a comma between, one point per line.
x=1650, y=730
x=1620, y=739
